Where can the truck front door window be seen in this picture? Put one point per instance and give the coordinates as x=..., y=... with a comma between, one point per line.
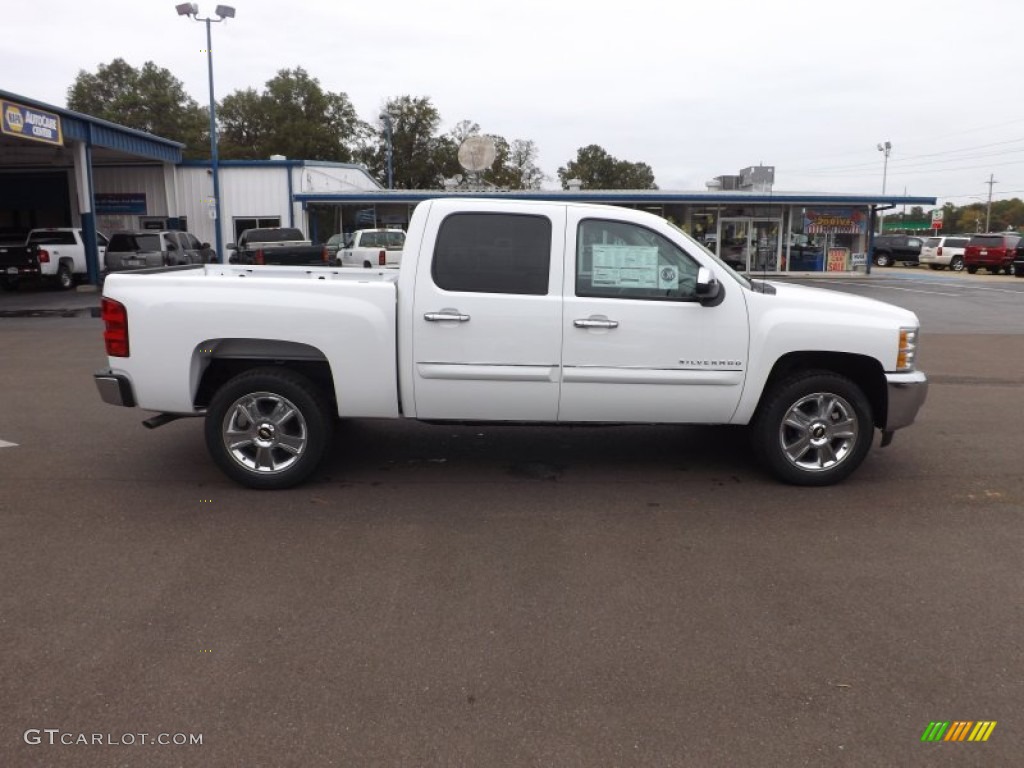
x=618, y=260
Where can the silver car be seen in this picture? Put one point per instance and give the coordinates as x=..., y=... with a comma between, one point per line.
x=155, y=248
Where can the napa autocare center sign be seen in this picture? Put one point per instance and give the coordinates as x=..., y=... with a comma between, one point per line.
x=30, y=123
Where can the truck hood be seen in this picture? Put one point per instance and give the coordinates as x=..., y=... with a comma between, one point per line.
x=826, y=300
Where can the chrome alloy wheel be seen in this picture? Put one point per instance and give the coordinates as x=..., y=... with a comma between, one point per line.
x=818, y=432
x=264, y=432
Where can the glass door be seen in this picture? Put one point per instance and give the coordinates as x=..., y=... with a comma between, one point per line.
x=734, y=242
x=750, y=245
x=765, y=245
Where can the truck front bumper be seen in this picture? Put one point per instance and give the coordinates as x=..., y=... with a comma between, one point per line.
x=907, y=392
x=115, y=388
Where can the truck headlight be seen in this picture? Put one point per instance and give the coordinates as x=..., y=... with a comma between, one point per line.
x=907, y=353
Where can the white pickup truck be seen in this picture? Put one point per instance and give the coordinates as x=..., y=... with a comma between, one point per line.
x=511, y=311
x=373, y=248
x=55, y=253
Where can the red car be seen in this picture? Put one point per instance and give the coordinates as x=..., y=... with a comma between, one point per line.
x=994, y=252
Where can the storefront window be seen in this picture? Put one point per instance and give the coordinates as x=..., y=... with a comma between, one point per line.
x=832, y=239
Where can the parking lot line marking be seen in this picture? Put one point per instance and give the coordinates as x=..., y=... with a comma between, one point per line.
x=898, y=288
x=5, y=444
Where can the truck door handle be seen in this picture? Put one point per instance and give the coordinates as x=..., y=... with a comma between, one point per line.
x=596, y=322
x=446, y=315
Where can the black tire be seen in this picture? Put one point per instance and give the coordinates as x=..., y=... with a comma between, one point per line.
x=280, y=420
x=65, y=280
x=367, y=265
x=821, y=454
x=1018, y=272
x=972, y=270
x=1010, y=270
x=957, y=263
x=883, y=259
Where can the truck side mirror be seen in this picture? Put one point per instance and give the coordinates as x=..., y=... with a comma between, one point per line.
x=708, y=288
x=230, y=246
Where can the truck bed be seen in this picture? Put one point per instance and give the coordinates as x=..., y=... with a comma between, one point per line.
x=183, y=318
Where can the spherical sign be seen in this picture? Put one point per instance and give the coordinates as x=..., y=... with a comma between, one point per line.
x=477, y=153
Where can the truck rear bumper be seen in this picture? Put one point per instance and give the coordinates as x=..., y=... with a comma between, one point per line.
x=115, y=388
x=907, y=392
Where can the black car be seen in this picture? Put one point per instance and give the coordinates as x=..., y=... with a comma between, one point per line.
x=1018, y=259
x=890, y=249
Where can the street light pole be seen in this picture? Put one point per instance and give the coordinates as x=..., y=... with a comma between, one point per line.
x=885, y=147
x=388, y=129
x=223, y=12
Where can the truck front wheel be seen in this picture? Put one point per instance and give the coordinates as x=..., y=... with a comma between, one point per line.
x=268, y=428
x=813, y=428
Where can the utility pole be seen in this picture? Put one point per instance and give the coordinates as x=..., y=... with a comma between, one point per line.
x=988, y=209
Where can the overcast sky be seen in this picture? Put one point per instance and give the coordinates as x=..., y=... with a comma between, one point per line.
x=694, y=89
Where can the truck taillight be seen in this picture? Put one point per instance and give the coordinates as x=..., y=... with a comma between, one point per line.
x=325, y=257
x=44, y=256
x=115, y=331
x=938, y=251
x=382, y=258
x=259, y=258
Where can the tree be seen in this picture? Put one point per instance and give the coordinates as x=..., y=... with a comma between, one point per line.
x=293, y=117
x=149, y=99
x=596, y=169
x=420, y=158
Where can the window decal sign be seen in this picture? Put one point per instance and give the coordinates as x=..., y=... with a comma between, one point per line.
x=835, y=221
x=30, y=123
x=630, y=266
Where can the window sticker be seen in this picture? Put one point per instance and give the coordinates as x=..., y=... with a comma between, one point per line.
x=629, y=266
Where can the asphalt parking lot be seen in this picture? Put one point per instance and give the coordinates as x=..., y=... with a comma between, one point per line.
x=468, y=596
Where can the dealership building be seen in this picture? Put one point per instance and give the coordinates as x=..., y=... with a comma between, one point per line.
x=62, y=168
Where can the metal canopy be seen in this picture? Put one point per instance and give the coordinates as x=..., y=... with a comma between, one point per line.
x=111, y=144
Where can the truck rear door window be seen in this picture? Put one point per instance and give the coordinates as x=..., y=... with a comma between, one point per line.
x=493, y=253
x=618, y=260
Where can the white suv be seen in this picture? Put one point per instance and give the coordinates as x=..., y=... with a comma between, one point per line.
x=945, y=251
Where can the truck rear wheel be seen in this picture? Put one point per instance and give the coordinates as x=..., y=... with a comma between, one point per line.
x=268, y=428
x=65, y=280
x=813, y=428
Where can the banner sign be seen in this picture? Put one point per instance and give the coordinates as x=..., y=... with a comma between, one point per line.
x=120, y=202
x=837, y=260
x=835, y=221
x=30, y=123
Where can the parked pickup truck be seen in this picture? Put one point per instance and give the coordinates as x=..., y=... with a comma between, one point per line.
x=55, y=254
x=373, y=248
x=511, y=311
x=276, y=245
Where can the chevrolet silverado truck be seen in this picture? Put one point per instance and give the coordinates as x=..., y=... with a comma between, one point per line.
x=511, y=312
x=276, y=245
x=54, y=254
x=370, y=248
